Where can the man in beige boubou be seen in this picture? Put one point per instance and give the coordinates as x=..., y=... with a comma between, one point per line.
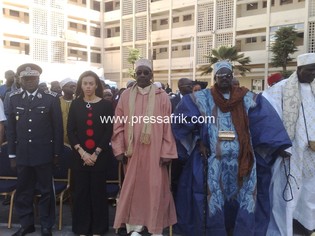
x=146, y=148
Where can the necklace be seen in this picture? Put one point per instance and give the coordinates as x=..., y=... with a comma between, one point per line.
x=88, y=105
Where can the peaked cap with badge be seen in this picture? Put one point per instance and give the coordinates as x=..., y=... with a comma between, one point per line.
x=28, y=70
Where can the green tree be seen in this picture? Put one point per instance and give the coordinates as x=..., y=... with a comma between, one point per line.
x=283, y=46
x=226, y=53
x=133, y=56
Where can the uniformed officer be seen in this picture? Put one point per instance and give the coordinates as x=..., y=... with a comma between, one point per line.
x=35, y=140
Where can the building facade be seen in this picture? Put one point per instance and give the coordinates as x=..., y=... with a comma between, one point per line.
x=67, y=36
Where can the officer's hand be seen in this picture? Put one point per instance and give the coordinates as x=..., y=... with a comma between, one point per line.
x=56, y=161
x=122, y=158
x=204, y=151
x=13, y=164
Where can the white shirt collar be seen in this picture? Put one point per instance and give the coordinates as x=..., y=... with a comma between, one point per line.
x=33, y=93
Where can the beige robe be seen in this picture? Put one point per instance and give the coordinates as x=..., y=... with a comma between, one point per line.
x=145, y=197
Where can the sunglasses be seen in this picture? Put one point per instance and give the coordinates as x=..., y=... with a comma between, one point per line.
x=221, y=76
x=140, y=72
x=186, y=86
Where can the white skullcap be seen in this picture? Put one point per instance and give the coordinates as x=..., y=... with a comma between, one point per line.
x=143, y=62
x=306, y=59
x=65, y=81
x=158, y=84
x=221, y=64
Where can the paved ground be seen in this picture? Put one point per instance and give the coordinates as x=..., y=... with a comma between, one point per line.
x=66, y=230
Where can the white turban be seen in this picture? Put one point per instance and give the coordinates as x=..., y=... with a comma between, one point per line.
x=306, y=59
x=65, y=81
x=221, y=64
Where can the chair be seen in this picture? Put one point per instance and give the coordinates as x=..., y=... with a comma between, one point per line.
x=8, y=180
x=170, y=180
x=114, y=178
x=62, y=178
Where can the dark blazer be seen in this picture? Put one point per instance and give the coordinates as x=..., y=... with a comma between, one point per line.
x=35, y=129
x=100, y=131
x=174, y=101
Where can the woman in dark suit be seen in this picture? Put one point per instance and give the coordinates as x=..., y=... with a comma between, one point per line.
x=89, y=135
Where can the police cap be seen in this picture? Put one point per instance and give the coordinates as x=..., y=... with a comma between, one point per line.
x=28, y=69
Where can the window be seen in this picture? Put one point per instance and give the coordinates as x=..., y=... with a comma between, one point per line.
x=186, y=47
x=14, y=13
x=73, y=25
x=96, y=32
x=95, y=57
x=117, y=29
x=176, y=19
x=109, y=6
x=84, y=27
x=96, y=6
x=257, y=85
x=251, y=40
x=27, y=49
x=252, y=6
x=164, y=22
x=187, y=17
x=109, y=33
x=72, y=51
x=263, y=38
x=264, y=4
x=163, y=50
x=14, y=44
x=283, y=2
x=174, y=48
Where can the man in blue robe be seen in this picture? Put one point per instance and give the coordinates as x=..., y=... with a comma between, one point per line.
x=231, y=137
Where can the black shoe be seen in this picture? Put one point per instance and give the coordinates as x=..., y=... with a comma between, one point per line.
x=46, y=232
x=24, y=230
x=122, y=231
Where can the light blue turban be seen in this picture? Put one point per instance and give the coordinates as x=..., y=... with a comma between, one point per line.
x=221, y=64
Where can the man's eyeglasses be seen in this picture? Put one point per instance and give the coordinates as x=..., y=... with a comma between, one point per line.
x=221, y=76
x=140, y=72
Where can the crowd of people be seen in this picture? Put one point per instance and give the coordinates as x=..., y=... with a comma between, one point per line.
x=241, y=163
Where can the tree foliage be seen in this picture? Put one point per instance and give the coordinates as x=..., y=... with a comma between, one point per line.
x=240, y=63
x=133, y=56
x=283, y=46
